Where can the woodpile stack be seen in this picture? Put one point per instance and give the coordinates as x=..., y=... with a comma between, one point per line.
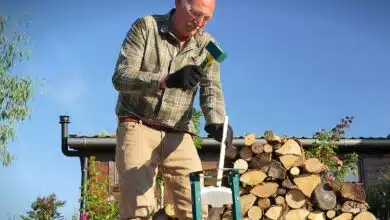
x=278, y=182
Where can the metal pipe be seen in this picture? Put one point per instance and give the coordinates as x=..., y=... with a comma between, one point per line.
x=84, y=176
x=64, y=121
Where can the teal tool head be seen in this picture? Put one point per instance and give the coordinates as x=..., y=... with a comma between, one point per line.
x=216, y=52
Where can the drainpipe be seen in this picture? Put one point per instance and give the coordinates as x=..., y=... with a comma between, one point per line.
x=64, y=121
x=84, y=176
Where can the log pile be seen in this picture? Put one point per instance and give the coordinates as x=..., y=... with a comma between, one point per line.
x=278, y=182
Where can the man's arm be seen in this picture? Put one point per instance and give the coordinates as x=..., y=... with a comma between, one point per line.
x=211, y=95
x=127, y=76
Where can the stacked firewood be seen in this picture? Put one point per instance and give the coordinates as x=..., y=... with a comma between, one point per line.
x=278, y=182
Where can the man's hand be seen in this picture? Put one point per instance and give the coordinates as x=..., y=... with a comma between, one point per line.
x=216, y=131
x=185, y=78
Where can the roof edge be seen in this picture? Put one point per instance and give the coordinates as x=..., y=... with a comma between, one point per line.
x=109, y=143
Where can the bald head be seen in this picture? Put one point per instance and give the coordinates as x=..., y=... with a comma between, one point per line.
x=206, y=7
x=192, y=15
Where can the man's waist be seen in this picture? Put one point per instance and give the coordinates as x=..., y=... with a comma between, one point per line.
x=133, y=118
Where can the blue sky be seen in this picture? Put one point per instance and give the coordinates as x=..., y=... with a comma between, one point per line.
x=293, y=67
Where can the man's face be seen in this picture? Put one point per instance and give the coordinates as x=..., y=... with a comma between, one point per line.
x=194, y=15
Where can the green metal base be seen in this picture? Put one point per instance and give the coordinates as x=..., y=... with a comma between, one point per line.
x=234, y=183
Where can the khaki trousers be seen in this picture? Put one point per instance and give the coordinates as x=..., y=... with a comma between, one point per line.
x=140, y=151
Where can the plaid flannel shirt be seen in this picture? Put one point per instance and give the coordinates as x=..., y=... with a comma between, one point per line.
x=149, y=50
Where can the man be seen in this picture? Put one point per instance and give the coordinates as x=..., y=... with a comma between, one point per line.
x=157, y=76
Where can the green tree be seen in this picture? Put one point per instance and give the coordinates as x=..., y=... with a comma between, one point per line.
x=45, y=208
x=15, y=91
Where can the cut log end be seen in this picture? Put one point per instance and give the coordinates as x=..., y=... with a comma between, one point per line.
x=365, y=216
x=242, y=165
x=295, y=199
x=255, y=213
x=253, y=177
x=249, y=139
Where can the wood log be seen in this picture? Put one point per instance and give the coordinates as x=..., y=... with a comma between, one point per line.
x=354, y=207
x=271, y=137
x=231, y=152
x=249, y=139
x=246, y=153
x=295, y=199
x=260, y=160
x=264, y=203
x=324, y=197
x=295, y=171
x=274, y=212
x=264, y=189
x=255, y=213
x=289, y=161
x=349, y=190
x=247, y=202
x=291, y=147
x=343, y=216
x=296, y=214
x=365, y=216
x=317, y=215
x=275, y=170
x=241, y=164
x=314, y=165
x=227, y=215
x=257, y=148
x=279, y=200
x=307, y=183
x=287, y=183
x=253, y=177
x=281, y=191
x=267, y=148
x=331, y=214
x=215, y=213
x=277, y=182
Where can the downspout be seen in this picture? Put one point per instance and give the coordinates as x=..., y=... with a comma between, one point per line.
x=84, y=176
x=64, y=121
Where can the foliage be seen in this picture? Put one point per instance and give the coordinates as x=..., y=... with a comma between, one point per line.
x=45, y=208
x=105, y=134
x=99, y=202
x=325, y=149
x=378, y=195
x=15, y=91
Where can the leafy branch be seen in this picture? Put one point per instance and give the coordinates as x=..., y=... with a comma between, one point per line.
x=326, y=146
x=99, y=202
x=15, y=91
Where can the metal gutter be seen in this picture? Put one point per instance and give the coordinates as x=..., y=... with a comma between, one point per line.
x=108, y=144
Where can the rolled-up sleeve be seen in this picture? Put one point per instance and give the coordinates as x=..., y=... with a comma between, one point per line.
x=127, y=76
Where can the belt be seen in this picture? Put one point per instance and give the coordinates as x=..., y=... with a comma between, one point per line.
x=138, y=120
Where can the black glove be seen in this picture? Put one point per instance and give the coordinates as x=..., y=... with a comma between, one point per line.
x=216, y=131
x=185, y=78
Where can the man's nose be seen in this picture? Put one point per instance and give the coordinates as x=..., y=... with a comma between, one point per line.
x=200, y=21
